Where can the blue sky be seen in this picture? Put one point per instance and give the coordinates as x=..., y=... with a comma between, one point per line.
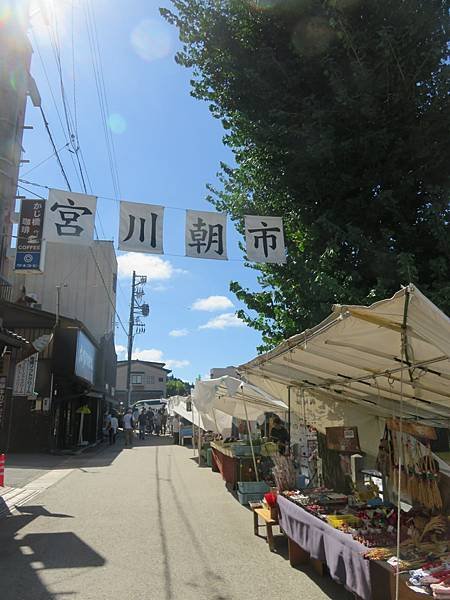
x=168, y=147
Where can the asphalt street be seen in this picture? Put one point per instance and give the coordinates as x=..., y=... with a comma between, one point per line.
x=144, y=524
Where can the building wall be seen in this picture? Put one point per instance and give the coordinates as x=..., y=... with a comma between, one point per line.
x=83, y=295
x=148, y=379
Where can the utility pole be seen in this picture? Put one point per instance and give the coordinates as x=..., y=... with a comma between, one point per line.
x=135, y=325
x=15, y=83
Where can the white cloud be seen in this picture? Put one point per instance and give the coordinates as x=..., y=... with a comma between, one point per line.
x=155, y=355
x=178, y=332
x=154, y=267
x=212, y=303
x=151, y=354
x=177, y=364
x=120, y=350
x=223, y=321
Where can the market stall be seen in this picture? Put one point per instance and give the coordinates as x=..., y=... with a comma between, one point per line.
x=243, y=401
x=363, y=387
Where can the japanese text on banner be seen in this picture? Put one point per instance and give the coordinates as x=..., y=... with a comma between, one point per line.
x=69, y=217
x=206, y=235
x=141, y=227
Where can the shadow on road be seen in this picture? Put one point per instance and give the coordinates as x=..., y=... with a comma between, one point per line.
x=22, y=557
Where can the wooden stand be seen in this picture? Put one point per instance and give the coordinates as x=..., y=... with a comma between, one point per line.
x=268, y=524
x=298, y=556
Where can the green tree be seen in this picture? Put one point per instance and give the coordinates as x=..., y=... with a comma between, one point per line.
x=178, y=387
x=337, y=112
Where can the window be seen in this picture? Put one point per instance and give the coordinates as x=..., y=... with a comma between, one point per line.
x=136, y=379
x=150, y=379
x=161, y=379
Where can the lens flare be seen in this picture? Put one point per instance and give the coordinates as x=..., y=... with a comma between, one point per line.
x=117, y=123
x=151, y=40
x=5, y=15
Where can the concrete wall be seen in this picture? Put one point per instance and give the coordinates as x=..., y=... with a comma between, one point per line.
x=83, y=295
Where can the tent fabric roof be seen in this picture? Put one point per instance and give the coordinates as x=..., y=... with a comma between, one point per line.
x=234, y=397
x=220, y=423
x=359, y=354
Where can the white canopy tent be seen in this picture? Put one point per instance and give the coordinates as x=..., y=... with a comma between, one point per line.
x=365, y=364
x=219, y=423
x=234, y=397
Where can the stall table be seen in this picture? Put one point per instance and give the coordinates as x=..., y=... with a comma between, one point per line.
x=232, y=468
x=343, y=556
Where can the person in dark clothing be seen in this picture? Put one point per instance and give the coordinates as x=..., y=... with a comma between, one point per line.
x=142, y=420
x=150, y=416
x=280, y=435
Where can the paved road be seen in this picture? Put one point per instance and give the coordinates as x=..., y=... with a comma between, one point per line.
x=144, y=524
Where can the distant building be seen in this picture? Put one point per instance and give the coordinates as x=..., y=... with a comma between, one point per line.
x=87, y=277
x=220, y=372
x=148, y=380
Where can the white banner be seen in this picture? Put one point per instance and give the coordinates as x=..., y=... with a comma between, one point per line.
x=25, y=376
x=264, y=239
x=206, y=235
x=141, y=227
x=69, y=217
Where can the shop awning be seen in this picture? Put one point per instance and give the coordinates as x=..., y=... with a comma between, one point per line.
x=234, y=397
x=389, y=358
x=218, y=422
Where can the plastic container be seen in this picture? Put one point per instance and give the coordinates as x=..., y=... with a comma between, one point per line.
x=245, y=498
x=241, y=450
x=253, y=487
x=209, y=457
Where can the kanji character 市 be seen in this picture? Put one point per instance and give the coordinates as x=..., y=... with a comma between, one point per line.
x=267, y=236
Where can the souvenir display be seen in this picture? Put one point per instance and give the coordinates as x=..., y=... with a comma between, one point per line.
x=404, y=456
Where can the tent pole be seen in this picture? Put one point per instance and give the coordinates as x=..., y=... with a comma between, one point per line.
x=199, y=442
x=250, y=438
x=289, y=417
x=215, y=420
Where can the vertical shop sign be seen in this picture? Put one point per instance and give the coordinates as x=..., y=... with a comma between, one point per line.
x=2, y=399
x=29, y=248
x=25, y=376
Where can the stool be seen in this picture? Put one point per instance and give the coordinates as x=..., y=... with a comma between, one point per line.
x=268, y=524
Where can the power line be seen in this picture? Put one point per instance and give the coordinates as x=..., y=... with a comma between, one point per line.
x=61, y=166
x=46, y=159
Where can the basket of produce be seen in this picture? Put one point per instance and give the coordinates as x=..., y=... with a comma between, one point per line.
x=269, y=449
x=338, y=521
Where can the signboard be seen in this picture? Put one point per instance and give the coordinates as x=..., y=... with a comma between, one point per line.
x=343, y=439
x=2, y=399
x=85, y=358
x=25, y=376
x=29, y=249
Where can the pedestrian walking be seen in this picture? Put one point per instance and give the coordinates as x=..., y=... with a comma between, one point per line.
x=157, y=422
x=142, y=420
x=163, y=421
x=150, y=416
x=112, y=431
x=128, y=427
x=176, y=429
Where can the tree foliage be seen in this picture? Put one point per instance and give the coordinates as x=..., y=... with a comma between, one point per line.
x=178, y=387
x=337, y=112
